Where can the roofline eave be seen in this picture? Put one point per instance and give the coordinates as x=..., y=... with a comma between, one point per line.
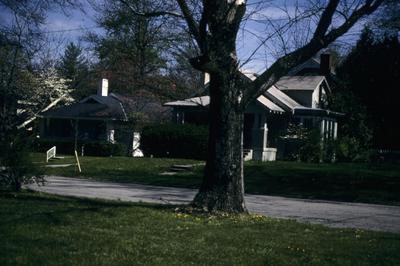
x=316, y=112
x=80, y=118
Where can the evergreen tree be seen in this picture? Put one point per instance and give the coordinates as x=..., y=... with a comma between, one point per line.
x=131, y=51
x=387, y=20
x=372, y=72
x=143, y=53
x=74, y=67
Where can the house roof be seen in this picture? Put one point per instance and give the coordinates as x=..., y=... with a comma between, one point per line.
x=302, y=83
x=250, y=75
x=204, y=101
x=312, y=63
x=145, y=103
x=110, y=100
x=281, y=99
x=195, y=101
x=92, y=107
x=275, y=98
x=269, y=104
x=315, y=112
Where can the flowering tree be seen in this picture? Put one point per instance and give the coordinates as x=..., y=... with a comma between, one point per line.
x=20, y=42
x=48, y=90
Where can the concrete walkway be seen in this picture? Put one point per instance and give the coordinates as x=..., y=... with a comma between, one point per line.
x=330, y=213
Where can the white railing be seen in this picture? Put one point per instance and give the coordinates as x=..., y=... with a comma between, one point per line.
x=51, y=153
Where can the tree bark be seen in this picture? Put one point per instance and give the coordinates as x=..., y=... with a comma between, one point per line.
x=215, y=34
x=222, y=188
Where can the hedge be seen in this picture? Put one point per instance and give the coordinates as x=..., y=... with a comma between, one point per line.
x=175, y=141
x=91, y=148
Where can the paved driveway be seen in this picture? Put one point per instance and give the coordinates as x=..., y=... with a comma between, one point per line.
x=330, y=213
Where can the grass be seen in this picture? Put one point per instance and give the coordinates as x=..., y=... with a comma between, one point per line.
x=351, y=182
x=39, y=229
x=124, y=169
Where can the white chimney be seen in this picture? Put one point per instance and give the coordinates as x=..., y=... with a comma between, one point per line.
x=206, y=78
x=103, y=90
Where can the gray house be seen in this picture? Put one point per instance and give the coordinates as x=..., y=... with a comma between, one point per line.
x=92, y=118
x=99, y=117
x=299, y=98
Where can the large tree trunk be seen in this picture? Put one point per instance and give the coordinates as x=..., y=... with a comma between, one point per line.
x=215, y=33
x=222, y=188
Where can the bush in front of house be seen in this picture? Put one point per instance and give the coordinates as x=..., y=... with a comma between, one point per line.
x=63, y=146
x=175, y=141
x=90, y=148
x=302, y=144
x=104, y=149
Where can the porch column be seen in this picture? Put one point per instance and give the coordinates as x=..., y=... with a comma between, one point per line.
x=110, y=132
x=180, y=117
x=326, y=129
x=323, y=129
x=335, y=127
x=260, y=132
x=136, y=152
x=264, y=135
x=329, y=129
x=261, y=152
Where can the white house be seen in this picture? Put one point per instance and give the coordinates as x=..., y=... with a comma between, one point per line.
x=299, y=98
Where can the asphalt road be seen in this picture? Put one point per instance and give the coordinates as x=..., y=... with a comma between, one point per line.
x=329, y=213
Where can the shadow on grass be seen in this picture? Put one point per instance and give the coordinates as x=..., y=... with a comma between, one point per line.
x=64, y=205
x=188, y=180
x=341, y=182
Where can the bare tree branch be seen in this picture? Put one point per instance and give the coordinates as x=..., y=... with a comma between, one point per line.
x=192, y=24
x=326, y=19
x=318, y=42
x=158, y=13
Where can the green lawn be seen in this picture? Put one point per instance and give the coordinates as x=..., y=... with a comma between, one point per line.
x=350, y=182
x=39, y=229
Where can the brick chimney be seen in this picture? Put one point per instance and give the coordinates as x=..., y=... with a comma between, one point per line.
x=103, y=88
x=325, y=65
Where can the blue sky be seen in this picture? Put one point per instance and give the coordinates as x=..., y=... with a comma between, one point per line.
x=72, y=26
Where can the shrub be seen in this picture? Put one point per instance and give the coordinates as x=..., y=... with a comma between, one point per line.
x=16, y=165
x=177, y=141
x=105, y=149
x=63, y=146
x=91, y=148
x=350, y=149
x=302, y=144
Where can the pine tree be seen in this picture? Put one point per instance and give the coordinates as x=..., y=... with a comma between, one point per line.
x=74, y=67
x=371, y=72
